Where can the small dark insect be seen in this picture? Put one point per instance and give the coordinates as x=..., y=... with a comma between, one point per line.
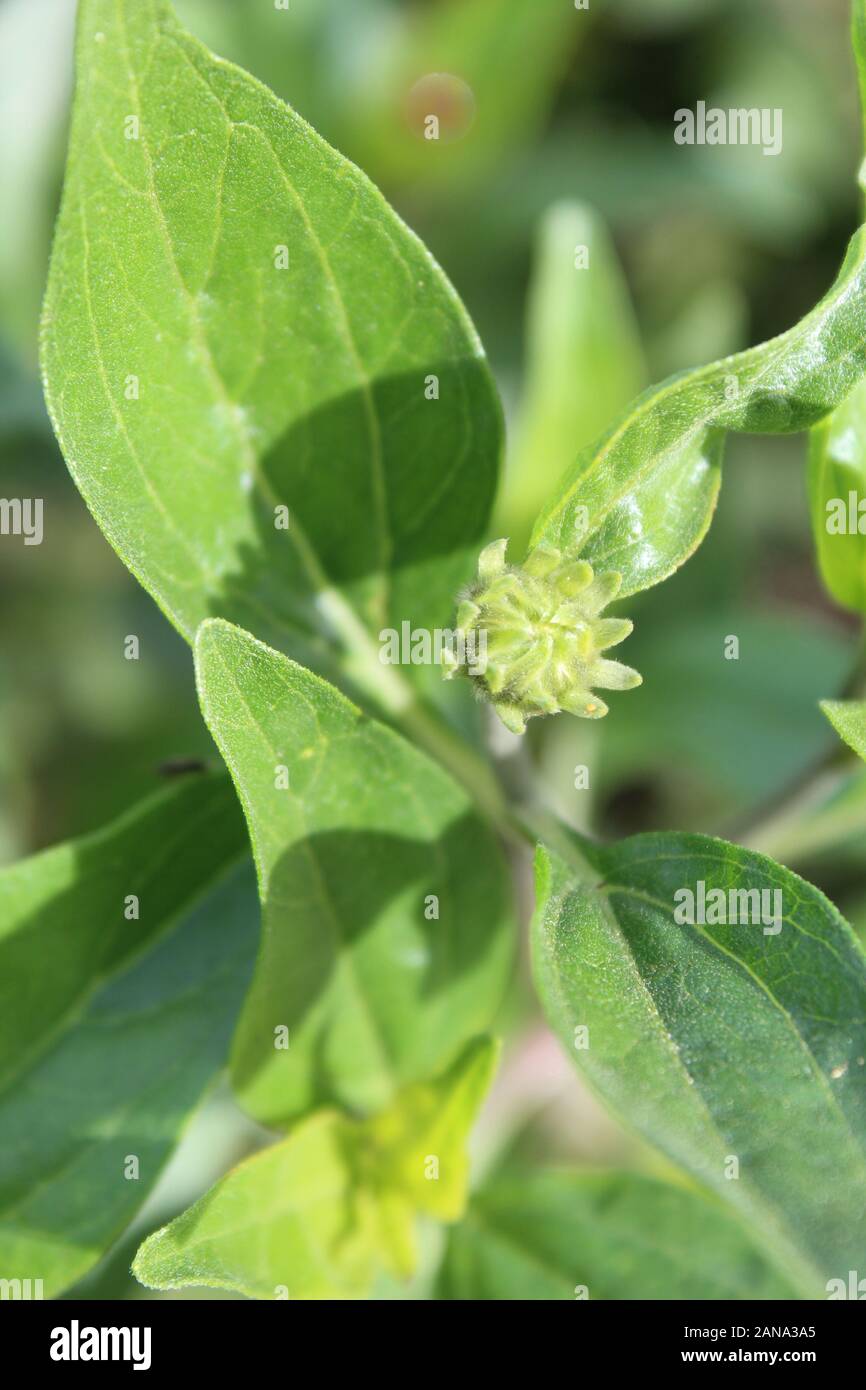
x=180, y=767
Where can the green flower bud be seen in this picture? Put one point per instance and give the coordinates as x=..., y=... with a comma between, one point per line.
x=531, y=639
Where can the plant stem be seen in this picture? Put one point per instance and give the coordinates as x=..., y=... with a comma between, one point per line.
x=793, y=832
x=389, y=690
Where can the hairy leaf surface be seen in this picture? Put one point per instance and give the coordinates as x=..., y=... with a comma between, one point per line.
x=848, y=718
x=722, y=1043
x=641, y=498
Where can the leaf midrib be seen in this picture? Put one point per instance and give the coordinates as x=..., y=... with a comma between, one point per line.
x=75, y=1011
x=318, y=579
x=774, y=1222
x=824, y=1085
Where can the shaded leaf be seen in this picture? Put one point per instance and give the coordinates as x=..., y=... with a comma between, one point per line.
x=720, y=1042
x=111, y=1029
x=386, y=940
x=66, y=906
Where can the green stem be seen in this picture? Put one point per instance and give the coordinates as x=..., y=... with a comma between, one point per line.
x=473, y=772
x=785, y=833
x=803, y=828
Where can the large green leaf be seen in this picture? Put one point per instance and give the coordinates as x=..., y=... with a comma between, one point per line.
x=641, y=499
x=566, y=1235
x=583, y=360
x=720, y=1042
x=317, y=1215
x=197, y=386
x=110, y=1029
x=387, y=935
x=848, y=718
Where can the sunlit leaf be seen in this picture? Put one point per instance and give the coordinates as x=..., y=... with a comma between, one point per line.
x=320, y=1213
x=641, y=499
x=268, y=393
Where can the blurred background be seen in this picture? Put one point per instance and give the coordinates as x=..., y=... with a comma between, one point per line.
x=556, y=129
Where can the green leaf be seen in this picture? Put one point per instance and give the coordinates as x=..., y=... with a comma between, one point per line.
x=720, y=1042
x=67, y=904
x=564, y=1235
x=111, y=1029
x=824, y=831
x=422, y=1164
x=317, y=1215
x=387, y=938
x=290, y=1218
x=434, y=1118
x=848, y=718
x=584, y=359
x=640, y=500
x=196, y=386
x=837, y=498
